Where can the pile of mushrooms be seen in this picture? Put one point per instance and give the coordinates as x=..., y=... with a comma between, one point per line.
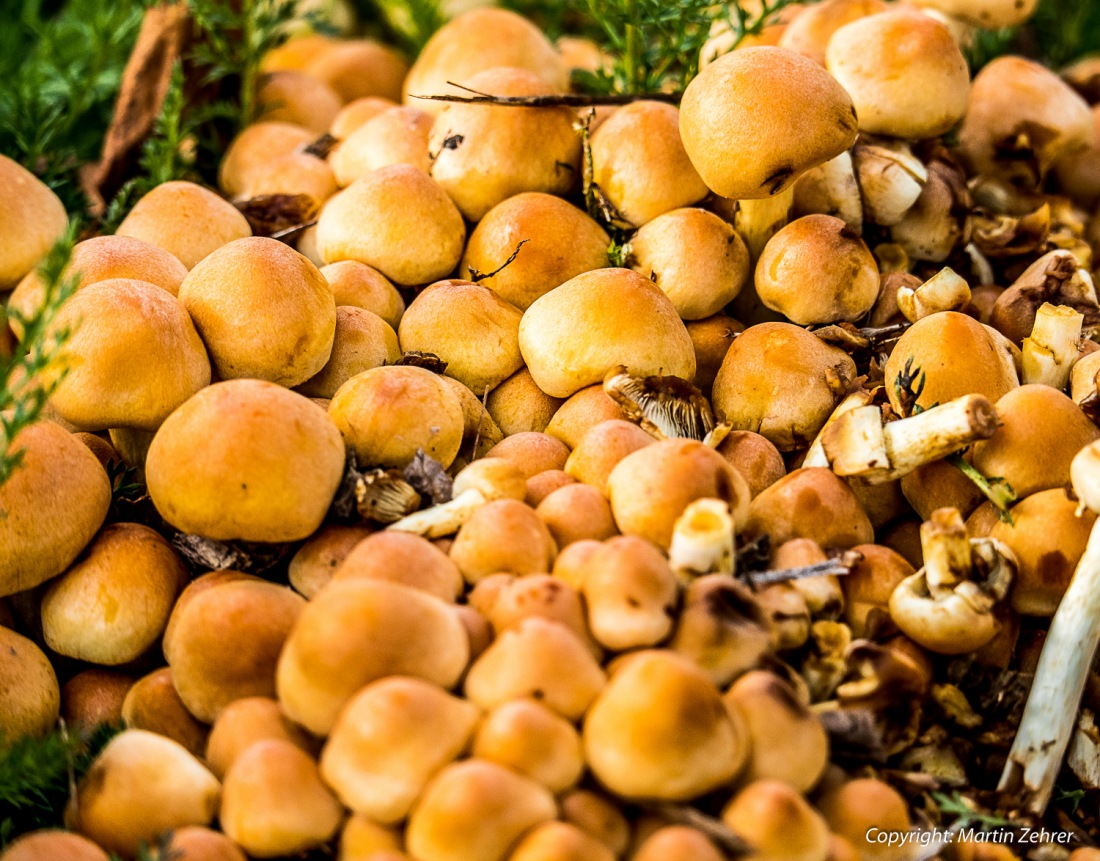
x=457, y=542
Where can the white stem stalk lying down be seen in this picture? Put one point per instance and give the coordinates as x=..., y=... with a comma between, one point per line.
x=944, y=291
x=815, y=456
x=1051, y=350
x=443, y=519
x=859, y=444
x=1051, y=711
x=702, y=540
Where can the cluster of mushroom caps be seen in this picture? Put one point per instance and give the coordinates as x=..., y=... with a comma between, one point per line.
x=559, y=662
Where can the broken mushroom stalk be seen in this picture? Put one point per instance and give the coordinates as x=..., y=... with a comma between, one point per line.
x=1051, y=712
x=1052, y=348
x=860, y=444
x=703, y=540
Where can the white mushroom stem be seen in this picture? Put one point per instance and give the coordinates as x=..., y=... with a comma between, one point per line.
x=443, y=519
x=815, y=456
x=858, y=444
x=891, y=179
x=832, y=187
x=944, y=291
x=1051, y=349
x=946, y=551
x=759, y=220
x=702, y=540
x=1051, y=711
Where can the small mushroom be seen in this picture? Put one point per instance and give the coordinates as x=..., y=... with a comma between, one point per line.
x=580, y=412
x=397, y=135
x=575, y=512
x=403, y=558
x=601, y=449
x=778, y=823
x=317, y=560
x=597, y=816
x=140, y=785
x=274, y=803
x=299, y=99
x=153, y=704
x=49, y=845
x=32, y=698
x=861, y=809
x=389, y=740
x=560, y=841
x=528, y=737
x=357, y=285
x=809, y=32
x=1051, y=349
x=518, y=405
x=245, y=722
x=870, y=583
x=93, y=697
x=795, y=506
x=32, y=221
x=361, y=340
x=944, y=291
x=677, y=843
x=944, y=606
x=504, y=535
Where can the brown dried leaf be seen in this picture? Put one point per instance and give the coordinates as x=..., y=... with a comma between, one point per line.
x=428, y=477
x=276, y=214
x=427, y=361
x=144, y=85
x=245, y=556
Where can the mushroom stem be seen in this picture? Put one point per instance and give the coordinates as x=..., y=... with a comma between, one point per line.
x=702, y=540
x=1051, y=711
x=444, y=519
x=815, y=456
x=1051, y=350
x=944, y=291
x=946, y=550
x=759, y=220
x=858, y=444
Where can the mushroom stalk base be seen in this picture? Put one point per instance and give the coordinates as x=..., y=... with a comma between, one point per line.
x=1049, y=353
x=702, y=541
x=1051, y=711
x=759, y=220
x=444, y=519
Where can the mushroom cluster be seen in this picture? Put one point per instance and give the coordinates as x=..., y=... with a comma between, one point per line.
x=733, y=514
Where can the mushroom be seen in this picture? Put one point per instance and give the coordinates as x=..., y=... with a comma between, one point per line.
x=1048, y=540
x=596, y=815
x=403, y=558
x=49, y=844
x=254, y=149
x=274, y=802
x=537, y=658
x=476, y=810
x=356, y=631
x=987, y=14
x=1063, y=668
x=1041, y=431
x=677, y=843
x=795, y=506
x=582, y=411
x=542, y=484
x=1051, y=349
x=560, y=841
x=572, y=336
x=559, y=242
x=93, y=697
x=184, y=219
x=397, y=135
x=711, y=339
x=890, y=179
x=50, y=507
x=1058, y=278
x=749, y=155
x=869, y=584
x=860, y=444
x=703, y=539
x=518, y=405
x=418, y=217
x=816, y=270
x=658, y=730
x=1076, y=172
x=722, y=628
x=787, y=741
x=526, y=736
x=1022, y=118
x=316, y=561
x=531, y=452
x=939, y=222
x=640, y=165
x=505, y=600
x=831, y=188
x=931, y=346
x=245, y=459
x=810, y=31
x=33, y=220
x=152, y=704
x=140, y=785
x=904, y=72
x=358, y=285
x=296, y=98
x=101, y=258
x=575, y=512
x=361, y=341
x=476, y=40
x=765, y=364
x=861, y=809
x=245, y=722
x=225, y=642
x=601, y=449
x=470, y=328
x=630, y=593
x=362, y=839
x=356, y=112
x=389, y=413
x=359, y=68
x=944, y=291
x=778, y=823
x=504, y=535
x=484, y=154
x=389, y=740
x=702, y=281
x=32, y=699
x=822, y=593
x=945, y=607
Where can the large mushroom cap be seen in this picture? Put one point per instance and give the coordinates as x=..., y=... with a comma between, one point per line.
x=477, y=40
x=245, y=459
x=754, y=120
x=576, y=333
x=904, y=72
x=31, y=220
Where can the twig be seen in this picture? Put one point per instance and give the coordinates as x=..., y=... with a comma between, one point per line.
x=562, y=100
x=476, y=275
x=836, y=567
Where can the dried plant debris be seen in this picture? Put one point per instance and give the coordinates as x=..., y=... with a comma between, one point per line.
x=665, y=406
x=419, y=359
x=274, y=215
x=206, y=554
x=853, y=734
x=321, y=147
x=428, y=478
